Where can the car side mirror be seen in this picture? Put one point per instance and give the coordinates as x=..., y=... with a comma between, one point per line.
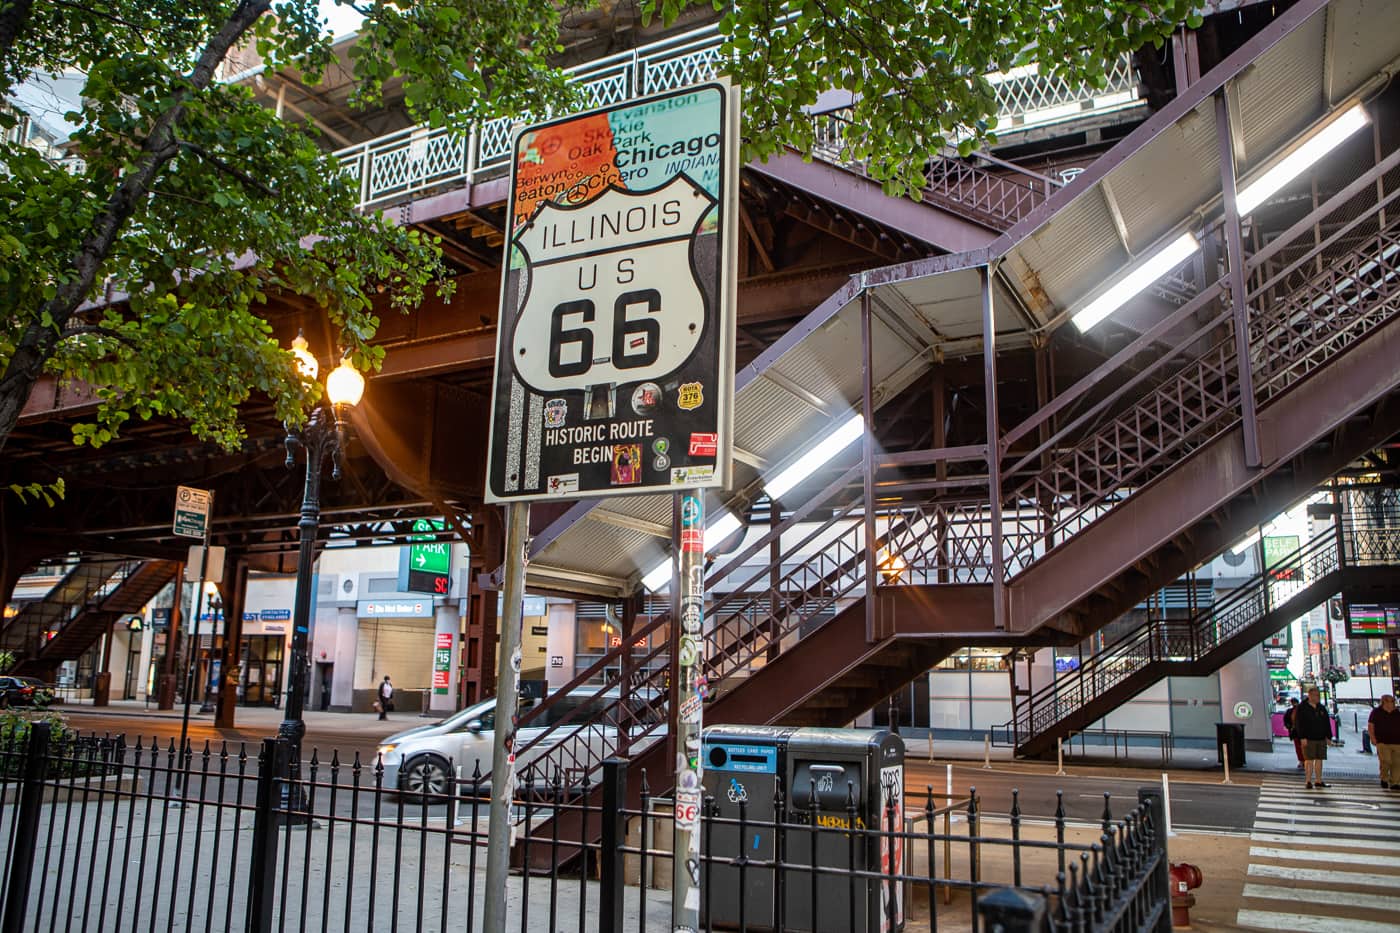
x=474, y=725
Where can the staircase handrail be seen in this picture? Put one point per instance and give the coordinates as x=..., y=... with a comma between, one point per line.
x=1155, y=630
x=104, y=591
x=1210, y=377
x=719, y=660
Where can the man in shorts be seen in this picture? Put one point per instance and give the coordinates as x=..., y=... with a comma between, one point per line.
x=1315, y=729
x=1384, y=728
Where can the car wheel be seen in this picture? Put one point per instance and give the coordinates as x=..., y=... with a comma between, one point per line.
x=425, y=777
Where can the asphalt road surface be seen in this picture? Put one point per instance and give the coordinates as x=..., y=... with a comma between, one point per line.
x=1195, y=806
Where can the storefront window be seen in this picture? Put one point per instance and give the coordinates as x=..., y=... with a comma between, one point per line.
x=977, y=660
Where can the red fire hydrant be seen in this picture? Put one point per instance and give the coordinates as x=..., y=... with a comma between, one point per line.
x=1184, y=878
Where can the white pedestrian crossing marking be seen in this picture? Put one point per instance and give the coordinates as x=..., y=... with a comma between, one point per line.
x=1310, y=831
x=1319, y=875
x=1310, y=923
x=1312, y=855
x=1306, y=824
x=1312, y=840
x=1278, y=892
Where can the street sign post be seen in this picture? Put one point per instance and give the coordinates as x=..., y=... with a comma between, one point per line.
x=614, y=356
x=426, y=566
x=614, y=362
x=192, y=511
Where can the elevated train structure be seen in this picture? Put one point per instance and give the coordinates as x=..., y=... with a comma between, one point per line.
x=1082, y=365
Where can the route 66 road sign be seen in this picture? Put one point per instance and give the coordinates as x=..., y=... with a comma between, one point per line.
x=614, y=357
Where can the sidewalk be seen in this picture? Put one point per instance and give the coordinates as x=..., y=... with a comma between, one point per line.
x=253, y=718
x=1345, y=761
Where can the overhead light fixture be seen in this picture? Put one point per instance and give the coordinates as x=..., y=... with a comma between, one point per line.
x=1119, y=293
x=1301, y=159
x=815, y=458
x=788, y=478
x=659, y=577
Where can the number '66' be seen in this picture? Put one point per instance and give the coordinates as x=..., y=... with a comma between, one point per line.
x=564, y=331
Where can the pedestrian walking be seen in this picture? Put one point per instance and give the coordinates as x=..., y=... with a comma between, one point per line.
x=1290, y=722
x=1383, y=727
x=385, y=703
x=1315, y=729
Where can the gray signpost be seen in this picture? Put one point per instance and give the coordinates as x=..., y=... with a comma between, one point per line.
x=614, y=370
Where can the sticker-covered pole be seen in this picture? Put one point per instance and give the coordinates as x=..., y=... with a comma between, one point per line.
x=498, y=832
x=688, y=670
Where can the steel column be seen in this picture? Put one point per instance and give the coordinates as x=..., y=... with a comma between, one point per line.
x=867, y=395
x=230, y=672
x=989, y=386
x=940, y=474
x=1234, y=249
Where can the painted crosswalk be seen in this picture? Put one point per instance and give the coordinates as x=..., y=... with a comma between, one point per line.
x=1320, y=861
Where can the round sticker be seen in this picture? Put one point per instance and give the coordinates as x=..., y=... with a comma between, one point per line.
x=646, y=398
x=1243, y=710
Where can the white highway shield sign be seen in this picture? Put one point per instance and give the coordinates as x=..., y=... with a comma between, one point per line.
x=615, y=346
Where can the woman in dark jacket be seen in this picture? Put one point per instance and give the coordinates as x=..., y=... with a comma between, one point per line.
x=1290, y=722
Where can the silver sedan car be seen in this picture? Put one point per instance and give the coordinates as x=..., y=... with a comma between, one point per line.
x=422, y=761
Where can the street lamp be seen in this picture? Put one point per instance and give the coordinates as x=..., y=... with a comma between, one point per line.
x=216, y=616
x=322, y=436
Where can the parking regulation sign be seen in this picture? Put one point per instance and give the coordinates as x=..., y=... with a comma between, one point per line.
x=192, y=511
x=614, y=353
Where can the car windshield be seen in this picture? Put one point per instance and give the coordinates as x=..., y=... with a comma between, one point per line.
x=485, y=712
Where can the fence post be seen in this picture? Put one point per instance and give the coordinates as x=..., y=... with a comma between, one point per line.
x=31, y=798
x=1009, y=910
x=1161, y=885
x=610, y=857
x=262, y=874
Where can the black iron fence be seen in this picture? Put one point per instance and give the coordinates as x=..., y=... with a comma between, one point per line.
x=105, y=834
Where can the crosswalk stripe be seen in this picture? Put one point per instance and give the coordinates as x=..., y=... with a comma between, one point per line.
x=1380, y=800
x=1310, y=923
x=1306, y=826
x=1312, y=855
x=1277, y=892
x=1316, y=875
x=1390, y=798
x=1310, y=839
x=1308, y=816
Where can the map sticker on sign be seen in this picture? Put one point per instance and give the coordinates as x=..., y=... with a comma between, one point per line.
x=615, y=345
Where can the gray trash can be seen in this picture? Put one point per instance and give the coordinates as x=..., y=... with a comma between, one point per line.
x=742, y=764
x=833, y=768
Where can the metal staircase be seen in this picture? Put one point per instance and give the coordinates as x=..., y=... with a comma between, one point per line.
x=75, y=590
x=1102, y=510
x=126, y=592
x=1351, y=561
x=1050, y=528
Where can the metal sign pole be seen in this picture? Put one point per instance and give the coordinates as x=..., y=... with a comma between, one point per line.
x=498, y=832
x=688, y=671
x=192, y=654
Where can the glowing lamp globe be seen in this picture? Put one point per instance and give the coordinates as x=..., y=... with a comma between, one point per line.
x=345, y=385
x=306, y=363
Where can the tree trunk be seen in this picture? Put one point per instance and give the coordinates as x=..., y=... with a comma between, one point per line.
x=37, y=343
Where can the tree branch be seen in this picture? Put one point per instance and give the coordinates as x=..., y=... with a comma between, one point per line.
x=80, y=330
x=228, y=169
x=36, y=344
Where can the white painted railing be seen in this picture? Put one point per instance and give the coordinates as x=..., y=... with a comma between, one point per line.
x=417, y=159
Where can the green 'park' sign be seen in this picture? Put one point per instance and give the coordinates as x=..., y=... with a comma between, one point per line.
x=427, y=564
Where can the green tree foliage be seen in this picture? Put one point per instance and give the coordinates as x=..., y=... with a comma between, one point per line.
x=181, y=180
x=916, y=69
